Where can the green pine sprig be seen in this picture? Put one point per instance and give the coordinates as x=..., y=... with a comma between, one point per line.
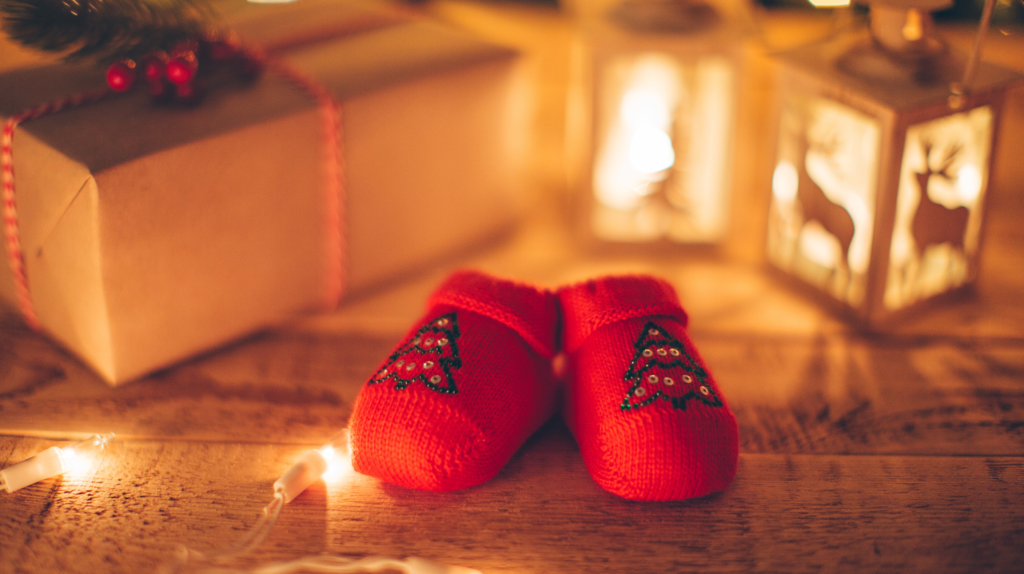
x=106, y=30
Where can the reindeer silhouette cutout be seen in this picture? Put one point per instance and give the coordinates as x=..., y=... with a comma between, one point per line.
x=816, y=206
x=934, y=223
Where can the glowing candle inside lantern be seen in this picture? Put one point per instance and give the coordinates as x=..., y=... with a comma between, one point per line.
x=638, y=149
x=650, y=151
x=968, y=183
x=785, y=181
x=644, y=107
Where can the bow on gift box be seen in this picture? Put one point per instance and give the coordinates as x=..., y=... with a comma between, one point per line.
x=170, y=40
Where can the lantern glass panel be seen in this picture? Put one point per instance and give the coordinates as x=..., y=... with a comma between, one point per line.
x=824, y=189
x=650, y=119
x=942, y=180
x=883, y=157
x=661, y=158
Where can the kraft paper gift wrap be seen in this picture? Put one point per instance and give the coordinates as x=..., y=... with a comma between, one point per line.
x=152, y=233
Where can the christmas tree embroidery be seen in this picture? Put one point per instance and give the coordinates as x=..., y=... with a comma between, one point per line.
x=429, y=357
x=661, y=368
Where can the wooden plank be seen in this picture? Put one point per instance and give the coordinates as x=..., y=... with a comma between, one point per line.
x=873, y=396
x=829, y=395
x=289, y=385
x=543, y=513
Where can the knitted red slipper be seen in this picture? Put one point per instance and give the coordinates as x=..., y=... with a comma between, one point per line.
x=463, y=390
x=649, y=418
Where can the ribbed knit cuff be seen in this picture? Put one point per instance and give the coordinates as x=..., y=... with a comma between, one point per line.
x=529, y=311
x=592, y=304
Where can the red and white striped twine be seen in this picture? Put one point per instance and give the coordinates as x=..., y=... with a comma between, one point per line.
x=334, y=173
x=15, y=256
x=334, y=189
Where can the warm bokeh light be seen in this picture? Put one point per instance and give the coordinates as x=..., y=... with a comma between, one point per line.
x=80, y=457
x=74, y=461
x=784, y=181
x=913, y=30
x=662, y=151
x=968, y=183
x=638, y=148
x=827, y=3
x=819, y=246
x=651, y=151
x=336, y=454
x=75, y=458
x=644, y=107
x=338, y=464
x=337, y=469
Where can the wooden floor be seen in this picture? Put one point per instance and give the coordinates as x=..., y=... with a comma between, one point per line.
x=893, y=452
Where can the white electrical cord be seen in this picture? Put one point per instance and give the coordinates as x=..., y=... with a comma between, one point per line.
x=310, y=468
x=243, y=546
x=341, y=565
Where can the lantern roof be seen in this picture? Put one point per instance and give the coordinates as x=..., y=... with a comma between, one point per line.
x=854, y=62
x=929, y=5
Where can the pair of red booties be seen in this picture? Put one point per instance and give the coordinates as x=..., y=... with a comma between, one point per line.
x=474, y=379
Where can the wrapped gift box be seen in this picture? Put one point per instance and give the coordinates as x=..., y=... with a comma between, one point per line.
x=152, y=233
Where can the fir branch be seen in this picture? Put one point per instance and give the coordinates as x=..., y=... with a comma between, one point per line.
x=107, y=30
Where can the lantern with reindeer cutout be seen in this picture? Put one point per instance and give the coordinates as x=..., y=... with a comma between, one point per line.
x=885, y=144
x=651, y=119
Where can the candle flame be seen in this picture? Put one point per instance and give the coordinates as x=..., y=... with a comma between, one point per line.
x=650, y=151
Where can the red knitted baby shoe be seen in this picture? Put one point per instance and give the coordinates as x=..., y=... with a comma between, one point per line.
x=649, y=418
x=469, y=383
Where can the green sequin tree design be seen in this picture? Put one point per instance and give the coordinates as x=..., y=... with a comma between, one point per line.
x=429, y=357
x=662, y=369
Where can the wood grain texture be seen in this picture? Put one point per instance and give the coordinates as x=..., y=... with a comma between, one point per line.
x=542, y=513
x=290, y=386
x=791, y=394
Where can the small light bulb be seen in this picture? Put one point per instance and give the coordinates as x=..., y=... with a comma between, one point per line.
x=53, y=461
x=327, y=452
x=968, y=183
x=326, y=462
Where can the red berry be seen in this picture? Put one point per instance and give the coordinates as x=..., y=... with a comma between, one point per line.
x=121, y=75
x=181, y=69
x=154, y=67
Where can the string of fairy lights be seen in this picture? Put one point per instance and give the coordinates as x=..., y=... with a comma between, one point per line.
x=324, y=463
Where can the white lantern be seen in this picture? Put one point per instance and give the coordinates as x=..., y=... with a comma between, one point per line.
x=883, y=162
x=651, y=121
